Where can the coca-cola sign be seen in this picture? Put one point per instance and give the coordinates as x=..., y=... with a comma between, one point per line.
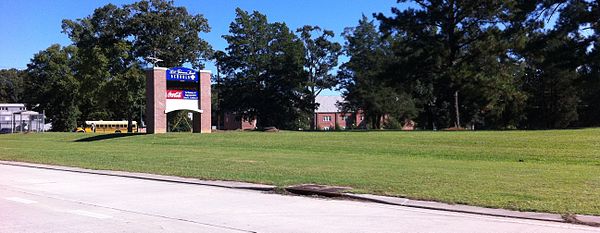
x=174, y=94
x=182, y=94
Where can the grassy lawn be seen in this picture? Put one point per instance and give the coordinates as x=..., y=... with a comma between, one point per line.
x=551, y=171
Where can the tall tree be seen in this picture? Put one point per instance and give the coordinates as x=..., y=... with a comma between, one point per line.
x=550, y=81
x=580, y=22
x=320, y=58
x=110, y=76
x=11, y=85
x=363, y=76
x=558, y=77
x=104, y=55
x=114, y=43
x=52, y=86
x=454, y=34
x=264, y=65
x=161, y=29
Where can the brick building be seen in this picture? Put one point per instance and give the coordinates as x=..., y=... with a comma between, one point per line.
x=329, y=114
x=235, y=122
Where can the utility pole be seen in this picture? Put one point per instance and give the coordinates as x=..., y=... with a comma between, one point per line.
x=218, y=98
x=140, y=124
x=218, y=56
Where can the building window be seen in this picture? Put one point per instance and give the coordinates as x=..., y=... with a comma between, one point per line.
x=345, y=118
x=326, y=128
x=327, y=118
x=362, y=118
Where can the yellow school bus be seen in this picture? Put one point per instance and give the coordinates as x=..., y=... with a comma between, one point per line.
x=109, y=126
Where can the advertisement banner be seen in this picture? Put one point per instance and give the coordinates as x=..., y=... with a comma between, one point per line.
x=182, y=94
x=174, y=94
x=190, y=95
x=182, y=74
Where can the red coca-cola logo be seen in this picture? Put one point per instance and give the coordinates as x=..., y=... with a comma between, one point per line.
x=174, y=94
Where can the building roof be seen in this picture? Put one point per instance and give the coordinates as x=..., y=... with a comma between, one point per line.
x=12, y=105
x=328, y=103
x=25, y=112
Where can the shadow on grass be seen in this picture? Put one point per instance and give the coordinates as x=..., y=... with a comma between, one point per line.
x=107, y=136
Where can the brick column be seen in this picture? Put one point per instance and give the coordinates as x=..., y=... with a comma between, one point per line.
x=156, y=89
x=203, y=121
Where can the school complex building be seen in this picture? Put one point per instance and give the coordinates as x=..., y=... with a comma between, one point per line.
x=327, y=116
x=14, y=117
x=235, y=122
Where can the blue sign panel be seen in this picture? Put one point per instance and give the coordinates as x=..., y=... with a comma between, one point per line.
x=182, y=74
x=190, y=95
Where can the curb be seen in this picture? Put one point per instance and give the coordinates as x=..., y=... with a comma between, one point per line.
x=588, y=220
x=458, y=208
x=146, y=176
x=332, y=191
x=329, y=191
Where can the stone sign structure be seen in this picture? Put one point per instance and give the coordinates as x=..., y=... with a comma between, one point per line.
x=175, y=89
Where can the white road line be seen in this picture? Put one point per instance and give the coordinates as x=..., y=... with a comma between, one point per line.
x=89, y=214
x=20, y=200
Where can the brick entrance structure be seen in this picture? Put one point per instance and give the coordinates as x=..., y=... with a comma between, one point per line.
x=156, y=102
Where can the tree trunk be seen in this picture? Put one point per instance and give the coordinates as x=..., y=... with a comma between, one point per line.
x=129, y=123
x=313, y=119
x=373, y=122
x=430, y=117
x=457, y=122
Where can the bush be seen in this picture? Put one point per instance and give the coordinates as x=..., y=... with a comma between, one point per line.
x=337, y=127
x=392, y=123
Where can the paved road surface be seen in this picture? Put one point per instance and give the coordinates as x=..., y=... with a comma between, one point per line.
x=40, y=200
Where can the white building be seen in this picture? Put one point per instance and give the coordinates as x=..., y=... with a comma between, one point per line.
x=16, y=118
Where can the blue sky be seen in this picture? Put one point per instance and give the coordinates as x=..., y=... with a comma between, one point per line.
x=29, y=26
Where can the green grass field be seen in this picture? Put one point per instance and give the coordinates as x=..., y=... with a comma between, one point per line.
x=551, y=171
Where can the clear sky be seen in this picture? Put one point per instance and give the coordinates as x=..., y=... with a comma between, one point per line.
x=28, y=26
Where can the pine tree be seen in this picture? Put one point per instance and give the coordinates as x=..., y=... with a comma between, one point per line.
x=321, y=57
x=446, y=47
x=265, y=77
x=363, y=76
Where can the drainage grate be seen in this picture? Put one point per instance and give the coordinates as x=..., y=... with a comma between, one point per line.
x=315, y=189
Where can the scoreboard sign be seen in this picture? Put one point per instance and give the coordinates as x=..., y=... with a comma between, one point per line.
x=170, y=89
x=183, y=89
x=182, y=74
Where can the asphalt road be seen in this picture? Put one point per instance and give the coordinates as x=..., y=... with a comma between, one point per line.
x=40, y=200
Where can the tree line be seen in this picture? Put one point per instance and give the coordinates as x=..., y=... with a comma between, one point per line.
x=489, y=64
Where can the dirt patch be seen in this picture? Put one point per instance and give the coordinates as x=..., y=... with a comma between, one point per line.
x=572, y=218
x=243, y=161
